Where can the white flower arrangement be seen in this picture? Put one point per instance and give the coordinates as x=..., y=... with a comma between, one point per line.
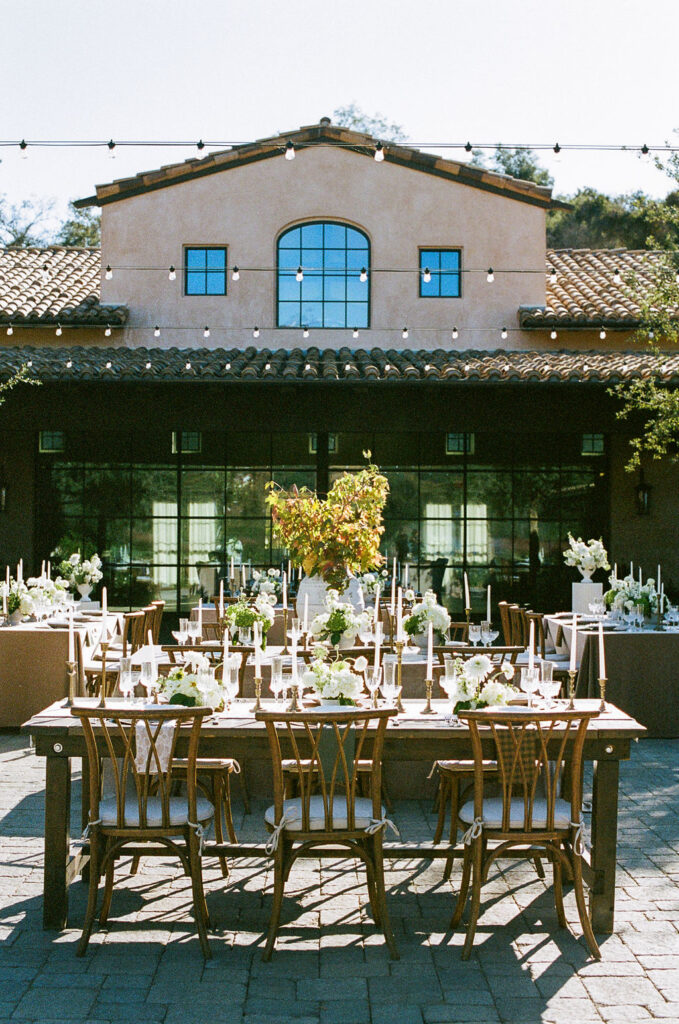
x=374, y=582
x=18, y=597
x=269, y=582
x=587, y=557
x=625, y=594
x=425, y=611
x=45, y=592
x=194, y=684
x=77, y=570
x=242, y=615
x=479, y=683
x=340, y=621
x=333, y=680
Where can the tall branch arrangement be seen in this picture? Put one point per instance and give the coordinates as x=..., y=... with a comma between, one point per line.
x=334, y=536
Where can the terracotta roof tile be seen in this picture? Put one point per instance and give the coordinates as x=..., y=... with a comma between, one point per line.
x=89, y=364
x=54, y=285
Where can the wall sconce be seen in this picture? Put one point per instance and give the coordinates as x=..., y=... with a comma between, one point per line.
x=3, y=490
x=643, y=496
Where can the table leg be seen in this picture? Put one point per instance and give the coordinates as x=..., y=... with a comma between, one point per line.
x=604, y=844
x=57, y=842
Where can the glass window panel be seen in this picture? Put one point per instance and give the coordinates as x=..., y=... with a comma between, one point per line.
x=578, y=494
x=403, y=494
x=311, y=287
x=151, y=583
x=67, y=484
x=291, y=239
x=150, y=485
x=356, y=260
x=334, y=259
x=312, y=314
x=116, y=540
x=312, y=236
x=195, y=284
x=428, y=288
x=289, y=290
x=107, y=491
x=253, y=535
x=335, y=236
x=449, y=260
x=440, y=539
x=246, y=493
x=401, y=539
x=489, y=541
x=355, y=240
x=201, y=487
x=536, y=491
x=357, y=290
x=449, y=285
x=289, y=259
x=538, y=543
x=334, y=314
x=216, y=259
x=357, y=314
x=442, y=491
x=195, y=259
x=312, y=259
x=216, y=284
x=288, y=314
x=155, y=540
x=202, y=540
x=335, y=289
x=490, y=493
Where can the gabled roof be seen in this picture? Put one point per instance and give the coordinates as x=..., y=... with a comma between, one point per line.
x=331, y=366
x=322, y=134
x=586, y=292
x=54, y=285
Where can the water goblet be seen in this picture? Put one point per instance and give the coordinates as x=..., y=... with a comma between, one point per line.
x=230, y=679
x=148, y=678
x=530, y=680
x=194, y=631
x=474, y=633
x=245, y=636
x=125, y=680
x=372, y=681
x=276, y=684
x=389, y=683
x=365, y=632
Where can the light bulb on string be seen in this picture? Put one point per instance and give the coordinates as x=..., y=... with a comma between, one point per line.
x=426, y=277
x=156, y=331
x=188, y=366
x=503, y=333
x=552, y=275
x=206, y=332
x=455, y=334
x=299, y=276
x=148, y=365
x=255, y=333
x=404, y=333
x=557, y=153
x=289, y=151
x=468, y=147
x=235, y=274
x=363, y=277
x=602, y=334
x=109, y=364
x=490, y=276
x=379, y=153
x=617, y=279
x=107, y=332
x=109, y=273
x=354, y=333
x=69, y=364
x=23, y=146
x=58, y=331
x=651, y=334
x=10, y=331
x=305, y=332
x=111, y=148
x=200, y=144
x=553, y=335
x=172, y=276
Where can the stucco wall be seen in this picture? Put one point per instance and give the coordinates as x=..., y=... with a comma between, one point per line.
x=400, y=209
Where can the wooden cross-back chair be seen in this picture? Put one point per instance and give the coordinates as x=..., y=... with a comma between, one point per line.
x=500, y=654
x=326, y=747
x=132, y=799
x=538, y=754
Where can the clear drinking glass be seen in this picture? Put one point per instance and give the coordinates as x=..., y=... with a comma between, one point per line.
x=373, y=679
x=530, y=680
x=389, y=685
x=245, y=636
x=125, y=680
x=194, y=630
x=276, y=684
x=148, y=678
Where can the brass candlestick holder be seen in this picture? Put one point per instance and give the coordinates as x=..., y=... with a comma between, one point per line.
x=399, y=645
x=571, y=689
x=102, y=697
x=602, y=689
x=285, y=631
x=257, y=706
x=70, y=672
x=294, y=696
x=659, y=626
x=468, y=615
x=428, y=709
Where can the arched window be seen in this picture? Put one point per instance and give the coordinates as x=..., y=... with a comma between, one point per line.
x=332, y=257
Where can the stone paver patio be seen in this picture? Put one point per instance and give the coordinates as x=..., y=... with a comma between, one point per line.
x=331, y=965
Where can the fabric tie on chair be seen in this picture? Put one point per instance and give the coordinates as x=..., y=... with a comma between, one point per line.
x=578, y=842
x=272, y=842
x=86, y=834
x=377, y=823
x=473, y=832
x=200, y=831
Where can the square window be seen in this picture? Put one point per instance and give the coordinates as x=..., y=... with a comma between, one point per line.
x=205, y=270
x=332, y=444
x=188, y=442
x=458, y=444
x=592, y=444
x=51, y=441
x=444, y=268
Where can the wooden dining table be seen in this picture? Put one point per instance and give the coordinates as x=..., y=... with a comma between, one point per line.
x=412, y=738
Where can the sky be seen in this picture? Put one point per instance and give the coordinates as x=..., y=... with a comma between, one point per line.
x=491, y=71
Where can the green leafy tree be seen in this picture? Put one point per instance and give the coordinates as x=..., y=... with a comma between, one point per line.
x=82, y=228
x=599, y=221
x=517, y=162
x=377, y=125
x=24, y=224
x=20, y=377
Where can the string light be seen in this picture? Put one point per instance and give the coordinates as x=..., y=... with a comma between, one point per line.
x=148, y=365
x=354, y=333
x=455, y=333
x=206, y=332
x=188, y=366
x=108, y=365
x=69, y=364
x=235, y=274
x=109, y=273
x=552, y=275
x=111, y=148
x=387, y=367
x=379, y=153
x=156, y=331
x=289, y=150
x=651, y=334
x=29, y=363
x=305, y=332
x=10, y=331
x=172, y=276
x=644, y=150
x=23, y=146
x=503, y=333
x=267, y=366
x=58, y=331
x=553, y=335
x=200, y=144
x=255, y=333
x=107, y=332
x=299, y=276
x=468, y=147
x=602, y=334
x=363, y=277
x=426, y=277
x=617, y=279
x=404, y=333
x=490, y=276
x=227, y=366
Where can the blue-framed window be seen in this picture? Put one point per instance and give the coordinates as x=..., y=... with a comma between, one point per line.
x=443, y=265
x=205, y=270
x=333, y=258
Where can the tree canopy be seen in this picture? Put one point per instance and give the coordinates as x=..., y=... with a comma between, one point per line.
x=352, y=116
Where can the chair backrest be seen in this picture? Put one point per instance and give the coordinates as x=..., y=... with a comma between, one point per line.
x=325, y=748
x=159, y=607
x=539, y=645
x=532, y=749
x=176, y=655
x=499, y=654
x=505, y=622
x=134, y=749
x=133, y=632
x=518, y=622
x=459, y=631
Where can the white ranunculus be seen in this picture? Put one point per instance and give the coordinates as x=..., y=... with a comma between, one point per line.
x=477, y=668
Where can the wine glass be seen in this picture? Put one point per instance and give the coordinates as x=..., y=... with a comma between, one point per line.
x=530, y=680
x=389, y=684
x=296, y=629
x=450, y=683
x=194, y=631
x=230, y=678
x=365, y=631
x=474, y=635
x=245, y=636
x=277, y=684
x=181, y=635
x=372, y=680
x=548, y=687
x=125, y=680
x=148, y=678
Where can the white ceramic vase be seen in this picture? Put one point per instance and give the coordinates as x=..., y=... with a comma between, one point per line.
x=15, y=618
x=585, y=573
x=84, y=589
x=316, y=589
x=420, y=640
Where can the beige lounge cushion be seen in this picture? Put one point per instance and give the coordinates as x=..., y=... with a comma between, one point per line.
x=179, y=811
x=292, y=810
x=492, y=813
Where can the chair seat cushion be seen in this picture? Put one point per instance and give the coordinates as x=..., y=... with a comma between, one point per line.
x=292, y=810
x=492, y=813
x=179, y=812
x=464, y=766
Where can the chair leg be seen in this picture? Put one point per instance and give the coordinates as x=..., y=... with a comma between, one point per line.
x=134, y=866
x=378, y=861
x=582, y=908
x=454, y=792
x=278, y=888
x=558, y=890
x=464, y=888
x=91, y=895
x=108, y=893
x=218, y=802
x=244, y=788
x=372, y=892
x=537, y=861
x=199, y=905
x=233, y=838
x=442, y=804
x=477, y=872
x=385, y=795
